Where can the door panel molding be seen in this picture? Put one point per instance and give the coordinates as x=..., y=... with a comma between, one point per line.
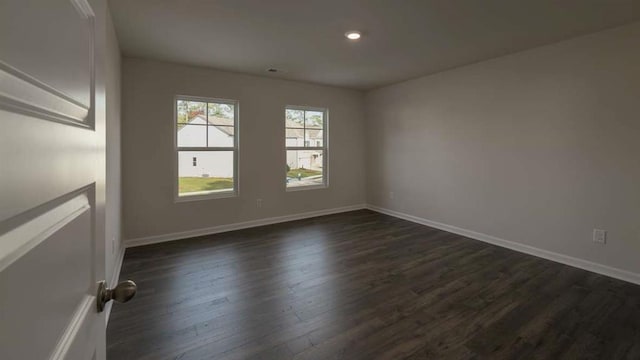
x=27, y=236
x=76, y=333
x=22, y=93
x=83, y=7
x=49, y=283
x=44, y=160
x=35, y=93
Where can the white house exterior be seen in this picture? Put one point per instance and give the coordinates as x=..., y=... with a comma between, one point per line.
x=219, y=132
x=304, y=159
x=307, y=159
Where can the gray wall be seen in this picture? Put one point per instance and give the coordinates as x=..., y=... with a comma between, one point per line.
x=113, y=211
x=148, y=89
x=539, y=147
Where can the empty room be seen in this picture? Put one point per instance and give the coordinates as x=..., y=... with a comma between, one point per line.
x=319, y=179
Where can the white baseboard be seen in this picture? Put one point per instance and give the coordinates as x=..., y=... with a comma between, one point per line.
x=114, y=280
x=237, y=226
x=545, y=254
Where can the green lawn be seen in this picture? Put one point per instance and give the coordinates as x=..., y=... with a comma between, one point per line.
x=303, y=173
x=193, y=184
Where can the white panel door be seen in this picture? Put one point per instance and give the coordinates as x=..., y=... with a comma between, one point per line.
x=51, y=257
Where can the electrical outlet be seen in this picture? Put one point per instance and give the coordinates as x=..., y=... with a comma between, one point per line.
x=258, y=203
x=600, y=236
x=113, y=244
x=391, y=195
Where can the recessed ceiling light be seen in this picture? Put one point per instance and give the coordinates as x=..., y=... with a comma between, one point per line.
x=353, y=35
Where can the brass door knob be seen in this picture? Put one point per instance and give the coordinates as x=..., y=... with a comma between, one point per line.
x=122, y=293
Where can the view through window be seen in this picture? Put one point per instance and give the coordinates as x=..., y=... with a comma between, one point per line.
x=306, y=147
x=206, y=139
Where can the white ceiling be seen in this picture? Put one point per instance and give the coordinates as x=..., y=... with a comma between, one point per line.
x=401, y=39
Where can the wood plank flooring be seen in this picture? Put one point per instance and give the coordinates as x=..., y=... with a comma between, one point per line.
x=362, y=285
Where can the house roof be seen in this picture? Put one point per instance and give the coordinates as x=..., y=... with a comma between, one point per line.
x=293, y=124
x=295, y=129
x=222, y=124
x=225, y=125
x=299, y=133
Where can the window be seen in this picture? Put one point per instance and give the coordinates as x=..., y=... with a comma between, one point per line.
x=206, y=147
x=306, y=147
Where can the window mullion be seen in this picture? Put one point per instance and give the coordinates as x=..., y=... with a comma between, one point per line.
x=206, y=129
x=304, y=148
x=231, y=148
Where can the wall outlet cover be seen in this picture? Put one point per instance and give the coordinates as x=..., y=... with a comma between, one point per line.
x=600, y=236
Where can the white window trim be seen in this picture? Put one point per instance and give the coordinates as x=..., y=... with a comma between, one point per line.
x=324, y=148
x=236, y=151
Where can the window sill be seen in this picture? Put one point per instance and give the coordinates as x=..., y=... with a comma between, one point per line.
x=206, y=196
x=308, y=187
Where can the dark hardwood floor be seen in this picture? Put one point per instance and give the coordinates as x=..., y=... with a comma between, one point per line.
x=362, y=285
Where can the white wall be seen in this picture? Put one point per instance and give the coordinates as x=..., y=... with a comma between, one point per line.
x=113, y=187
x=208, y=163
x=538, y=148
x=149, y=88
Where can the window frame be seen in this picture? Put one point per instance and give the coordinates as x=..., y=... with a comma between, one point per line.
x=236, y=150
x=324, y=147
